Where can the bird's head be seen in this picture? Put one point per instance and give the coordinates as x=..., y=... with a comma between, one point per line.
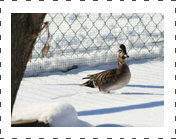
x=122, y=54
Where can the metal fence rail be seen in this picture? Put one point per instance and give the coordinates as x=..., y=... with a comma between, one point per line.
x=93, y=39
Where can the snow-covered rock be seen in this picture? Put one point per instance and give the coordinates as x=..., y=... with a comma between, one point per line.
x=58, y=114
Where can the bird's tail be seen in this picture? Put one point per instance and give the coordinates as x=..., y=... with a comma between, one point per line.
x=88, y=83
x=86, y=78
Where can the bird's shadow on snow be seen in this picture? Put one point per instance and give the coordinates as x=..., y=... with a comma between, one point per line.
x=120, y=109
x=140, y=86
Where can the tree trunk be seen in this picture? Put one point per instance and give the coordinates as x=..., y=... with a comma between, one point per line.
x=25, y=28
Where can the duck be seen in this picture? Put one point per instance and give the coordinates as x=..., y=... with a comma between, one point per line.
x=112, y=79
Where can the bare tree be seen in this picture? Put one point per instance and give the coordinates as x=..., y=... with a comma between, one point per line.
x=25, y=28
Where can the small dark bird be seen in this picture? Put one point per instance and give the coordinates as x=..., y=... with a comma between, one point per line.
x=112, y=79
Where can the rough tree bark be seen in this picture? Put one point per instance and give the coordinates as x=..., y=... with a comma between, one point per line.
x=25, y=28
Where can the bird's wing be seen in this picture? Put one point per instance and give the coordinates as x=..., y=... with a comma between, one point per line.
x=104, y=77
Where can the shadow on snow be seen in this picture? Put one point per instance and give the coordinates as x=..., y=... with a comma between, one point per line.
x=146, y=86
x=110, y=125
x=141, y=86
x=131, y=93
x=120, y=109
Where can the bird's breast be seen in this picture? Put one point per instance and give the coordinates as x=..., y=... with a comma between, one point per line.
x=121, y=81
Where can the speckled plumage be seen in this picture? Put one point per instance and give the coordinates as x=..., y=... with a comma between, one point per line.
x=112, y=79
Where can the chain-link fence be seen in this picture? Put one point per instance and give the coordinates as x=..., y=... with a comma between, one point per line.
x=93, y=39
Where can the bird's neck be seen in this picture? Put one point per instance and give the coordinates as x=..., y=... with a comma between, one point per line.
x=121, y=62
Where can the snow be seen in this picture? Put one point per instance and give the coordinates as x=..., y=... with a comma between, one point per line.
x=59, y=98
x=58, y=114
x=74, y=46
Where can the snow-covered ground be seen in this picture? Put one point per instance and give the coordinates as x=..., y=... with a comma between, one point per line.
x=59, y=98
x=91, y=42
